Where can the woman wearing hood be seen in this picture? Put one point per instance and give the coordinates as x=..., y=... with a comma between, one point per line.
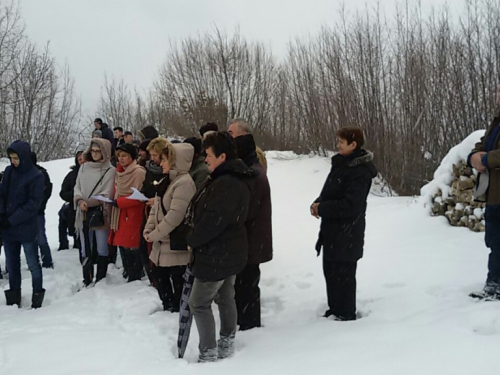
x=168, y=212
x=95, y=177
x=126, y=215
x=21, y=195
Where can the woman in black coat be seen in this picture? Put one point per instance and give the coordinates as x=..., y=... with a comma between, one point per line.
x=342, y=207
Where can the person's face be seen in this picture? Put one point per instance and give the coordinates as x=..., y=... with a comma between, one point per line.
x=96, y=153
x=80, y=159
x=128, y=138
x=118, y=134
x=345, y=148
x=14, y=159
x=97, y=125
x=155, y=157
x=144, y=154
x=235, y=131
x=213, y=161
x=124, y=159
x=165, y=164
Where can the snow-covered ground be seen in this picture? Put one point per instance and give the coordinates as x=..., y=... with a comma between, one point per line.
x=413, y=285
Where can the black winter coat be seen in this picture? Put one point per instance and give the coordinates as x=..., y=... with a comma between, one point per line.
x=47, y=190
x=342, y=206
x=259, y=221
x=220, y=208
x=148, y=187
x=67, y=194
x=107, y=133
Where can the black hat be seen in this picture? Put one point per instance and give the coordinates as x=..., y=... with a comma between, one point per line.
x=144, y=145
x=129, y=149
x=208, y=127
x=196, y=143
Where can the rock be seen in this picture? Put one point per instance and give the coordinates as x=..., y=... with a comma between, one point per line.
x=465, y=183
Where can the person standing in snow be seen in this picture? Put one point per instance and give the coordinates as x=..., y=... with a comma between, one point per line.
x=166, y=222
x=199, y=170
x=485, y=158
x=260, y=238
x=148, y=132
x=95, y=177
x=127, y=214
x=238, y=127
x=42, y=236
x=21, y=195
x=342, y=207
x=106, y=133
x=218, y=213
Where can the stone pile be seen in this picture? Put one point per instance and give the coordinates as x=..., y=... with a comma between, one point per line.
x=459, y=207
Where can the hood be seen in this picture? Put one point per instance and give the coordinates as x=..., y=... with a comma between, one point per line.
x=235, y=167
x=23, y=150
x=184, y=153
x=245, y=145
x=148, y=132
x=105, y=147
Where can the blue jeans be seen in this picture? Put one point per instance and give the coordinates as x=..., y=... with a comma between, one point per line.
x=101, y=239
x=13, y=262
x=43, y=243
x=492, y=239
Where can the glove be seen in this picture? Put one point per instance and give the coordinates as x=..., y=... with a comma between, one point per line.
x=4, y=222
x=113, y=203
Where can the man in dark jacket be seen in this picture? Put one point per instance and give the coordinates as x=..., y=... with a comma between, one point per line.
x=118, y=134
x=260, y=237
x=21, y=195
x=485, y=158
x=342, y=207
x=43, y=244
x=219, y=243
x=107, y=133
x=67, y=213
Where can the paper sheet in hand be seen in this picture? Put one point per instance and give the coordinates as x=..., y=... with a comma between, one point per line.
x=137, y=195
x=101, y=198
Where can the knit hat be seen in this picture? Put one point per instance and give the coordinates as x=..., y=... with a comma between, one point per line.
x=129, y=149
x=207, y=127
x=144, y=145
x=97, y=132
x=196, y=143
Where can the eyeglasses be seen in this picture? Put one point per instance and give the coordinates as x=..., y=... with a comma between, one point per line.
x=96, y=151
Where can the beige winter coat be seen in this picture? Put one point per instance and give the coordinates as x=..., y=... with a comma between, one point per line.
x=175, y=201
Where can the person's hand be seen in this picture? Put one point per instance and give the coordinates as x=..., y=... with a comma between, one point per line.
x=83, y=206
x=150, y=202
x=189, y=248
x=475, y=161
x=146, y=237
x=4, y=222
x=314, y=210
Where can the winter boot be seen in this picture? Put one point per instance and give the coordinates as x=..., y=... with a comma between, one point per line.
x=225, y=346
x=491, y=288
x=134, y=264
x=88, y=271
x=37, y=299
x=13, y=297
x=208, y=355
x=102, y=268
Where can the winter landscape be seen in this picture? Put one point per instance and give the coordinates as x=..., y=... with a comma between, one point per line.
x=415, y=316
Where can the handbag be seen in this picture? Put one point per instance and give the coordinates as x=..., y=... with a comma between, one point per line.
x=94, y=216
x=179, y=234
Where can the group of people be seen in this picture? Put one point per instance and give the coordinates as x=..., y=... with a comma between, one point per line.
x=206, y=205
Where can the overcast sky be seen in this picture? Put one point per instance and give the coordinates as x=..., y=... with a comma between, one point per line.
x=129, y=38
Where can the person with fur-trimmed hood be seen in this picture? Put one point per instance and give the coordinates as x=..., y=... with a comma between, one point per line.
x=342, y=207
x=218, y=238
x=21, y=195
x=95, y=177
x=260, y=237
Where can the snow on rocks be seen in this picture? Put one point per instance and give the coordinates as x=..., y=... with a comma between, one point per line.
x=450, y=192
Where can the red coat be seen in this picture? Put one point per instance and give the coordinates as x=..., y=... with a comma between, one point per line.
x=129, y=227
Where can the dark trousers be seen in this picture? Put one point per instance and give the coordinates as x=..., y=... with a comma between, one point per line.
x=43, y=243
x=492, y=239
x=247, y=295
x=341, y=288
x=144, y=251
x=63, y=227
x=132, y=262
x=13, y=262
x=169, y=282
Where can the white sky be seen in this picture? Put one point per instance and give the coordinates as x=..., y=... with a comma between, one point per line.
x=129, y=38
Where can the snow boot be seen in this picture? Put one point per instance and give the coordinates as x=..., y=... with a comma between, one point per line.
x=491, y=288
x=13, y=297
x=208, y=355
x=37, y=299
x=88, y=271
x=225, y=346
x=102, y=267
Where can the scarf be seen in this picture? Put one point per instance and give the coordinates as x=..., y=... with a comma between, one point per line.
x=125, y=179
